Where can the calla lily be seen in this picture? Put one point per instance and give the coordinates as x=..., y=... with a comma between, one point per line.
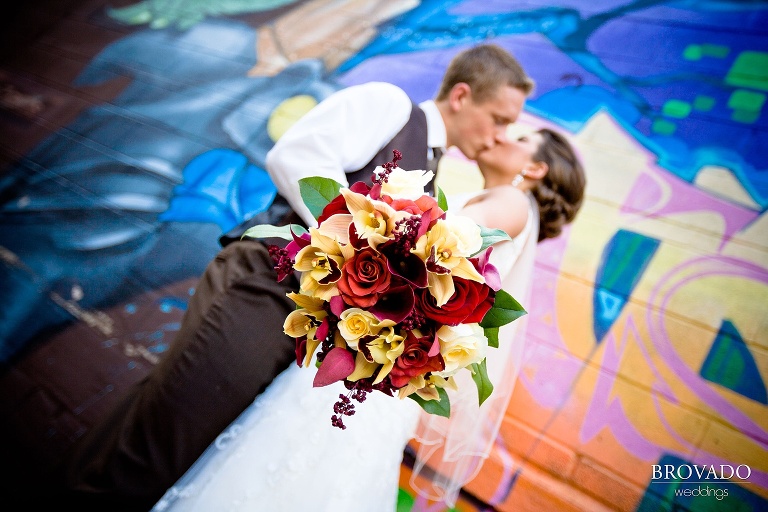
x=408, y=266
x=337, y=365
x=395, y=305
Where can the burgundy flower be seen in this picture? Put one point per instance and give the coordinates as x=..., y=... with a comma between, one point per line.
x=301, y=350
x=420, y=356
x=395, y=304
x=405, y=264
x=364, y=278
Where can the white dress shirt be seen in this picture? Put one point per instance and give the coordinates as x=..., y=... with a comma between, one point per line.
x=342, y=134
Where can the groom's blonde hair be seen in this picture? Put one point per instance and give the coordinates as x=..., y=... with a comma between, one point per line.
x=485, y=68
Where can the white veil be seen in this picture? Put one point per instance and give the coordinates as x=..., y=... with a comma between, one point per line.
x=450, y=451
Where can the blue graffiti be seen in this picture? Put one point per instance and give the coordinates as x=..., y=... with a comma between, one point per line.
x=623, y=262
x=220, y=186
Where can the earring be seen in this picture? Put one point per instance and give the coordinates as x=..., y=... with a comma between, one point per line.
x=517, y=180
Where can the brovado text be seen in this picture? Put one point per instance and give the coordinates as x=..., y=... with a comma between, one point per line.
x=701, y=472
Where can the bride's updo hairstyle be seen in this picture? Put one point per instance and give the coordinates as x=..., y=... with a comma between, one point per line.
x=560, y=193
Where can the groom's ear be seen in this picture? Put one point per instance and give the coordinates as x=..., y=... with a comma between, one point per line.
x=460, y=93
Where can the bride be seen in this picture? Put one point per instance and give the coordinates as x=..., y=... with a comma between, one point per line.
x=283, y=453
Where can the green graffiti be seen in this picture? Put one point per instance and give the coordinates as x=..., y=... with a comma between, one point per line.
x=746, y=105
x=717, y=51
x=697, y=51
x=404, y=501
x=692, y=52
x=749, y=70
x=187, y=13
x=703, y=103
x=663, y=127
x=676, y=108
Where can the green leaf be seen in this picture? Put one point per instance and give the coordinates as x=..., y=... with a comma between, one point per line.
x=492, y=333
x=442, y=201
x=317, y=192
x=440, y=407
x=491, y=236
x=270, y=231
x=484, y=384
x=505, y=310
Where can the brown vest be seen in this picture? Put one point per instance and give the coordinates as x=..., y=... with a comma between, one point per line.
x=411, y=141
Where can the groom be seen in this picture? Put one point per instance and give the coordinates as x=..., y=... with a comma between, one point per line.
x=231, y=345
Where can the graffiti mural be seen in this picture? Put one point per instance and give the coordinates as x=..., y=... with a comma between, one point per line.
x=647, y=334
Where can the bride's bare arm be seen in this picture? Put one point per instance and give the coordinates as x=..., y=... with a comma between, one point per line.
x=504, y=207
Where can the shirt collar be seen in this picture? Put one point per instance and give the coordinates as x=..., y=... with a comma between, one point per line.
x=436, y=135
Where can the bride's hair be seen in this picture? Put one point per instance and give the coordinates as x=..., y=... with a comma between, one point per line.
x=560, y=193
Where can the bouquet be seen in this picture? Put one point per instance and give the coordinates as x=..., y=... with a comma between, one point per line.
x=397, y=295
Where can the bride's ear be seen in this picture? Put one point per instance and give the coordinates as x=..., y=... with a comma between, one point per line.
x=536, y=170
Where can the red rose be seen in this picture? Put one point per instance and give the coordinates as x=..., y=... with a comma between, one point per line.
x=364, y=278
x=468, y=304
x=415, y=359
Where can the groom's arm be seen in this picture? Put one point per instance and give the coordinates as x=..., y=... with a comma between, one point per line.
x=341, y=134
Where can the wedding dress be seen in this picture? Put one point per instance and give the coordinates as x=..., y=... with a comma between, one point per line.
x=282, y=454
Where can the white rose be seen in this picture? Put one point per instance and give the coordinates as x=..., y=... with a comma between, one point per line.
x=461, y=345
x=402, y=184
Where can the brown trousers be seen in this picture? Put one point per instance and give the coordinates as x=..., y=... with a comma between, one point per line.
x=229, y=348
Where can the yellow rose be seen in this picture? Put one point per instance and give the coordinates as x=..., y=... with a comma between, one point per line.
x=461, y=345
x=354, y=323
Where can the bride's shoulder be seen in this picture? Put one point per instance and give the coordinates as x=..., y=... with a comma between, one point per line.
x=513, y=208
x=502, y=207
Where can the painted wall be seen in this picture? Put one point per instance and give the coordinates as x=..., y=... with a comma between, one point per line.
x=647, y=339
